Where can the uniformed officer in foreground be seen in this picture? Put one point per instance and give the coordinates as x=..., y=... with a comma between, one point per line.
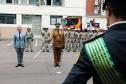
x=104, y=57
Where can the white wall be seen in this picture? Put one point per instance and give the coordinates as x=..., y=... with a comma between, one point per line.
x=19, y=19
x=101, y=20
x=40, y=10
x=45, y=20
x=75, y=3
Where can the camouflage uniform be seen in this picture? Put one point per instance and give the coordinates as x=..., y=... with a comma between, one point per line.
x=46, y=37
x=71, y=40
x=29, y=38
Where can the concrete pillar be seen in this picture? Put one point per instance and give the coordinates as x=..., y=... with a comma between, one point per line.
x=19, y=19
x=84, y=15
x=84, y=22
x=19, y=1
x=45, y=21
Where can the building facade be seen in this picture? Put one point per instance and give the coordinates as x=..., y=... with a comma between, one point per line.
x=94, y=11
x=94, y=8
x=37, y=13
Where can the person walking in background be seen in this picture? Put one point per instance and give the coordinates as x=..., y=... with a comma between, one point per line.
x=19, y=45
x=58, y=44
x=104, y=57
x=29, y=36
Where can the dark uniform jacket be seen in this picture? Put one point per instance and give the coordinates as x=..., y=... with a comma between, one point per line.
x=115, y=39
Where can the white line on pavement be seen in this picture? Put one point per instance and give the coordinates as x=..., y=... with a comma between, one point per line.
x=59, y=72
x=9, y=44
x=37, y=54
x=36, y=42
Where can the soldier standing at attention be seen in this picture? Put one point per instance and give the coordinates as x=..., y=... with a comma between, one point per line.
x=46, y=37
x=75, y=40
x=29, y=36
x=104, y=57
x=58, y=44
x=81, y=39
x=72, y=39
x=68, y=41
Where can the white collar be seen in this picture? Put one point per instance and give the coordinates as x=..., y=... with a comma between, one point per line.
x=120, y=22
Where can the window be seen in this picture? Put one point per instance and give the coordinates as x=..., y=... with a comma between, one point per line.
x=57, y=2
x=8, y=1
x=29, y=19
x=97, y=7
x=48, y=2
x=23, y=1
x=7, y=18
x=34, y=2
x=55, y=19
x=1, y=1
x=15, y=1
x=26, y=19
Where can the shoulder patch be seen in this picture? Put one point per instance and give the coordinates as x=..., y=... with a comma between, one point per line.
x=92, y=39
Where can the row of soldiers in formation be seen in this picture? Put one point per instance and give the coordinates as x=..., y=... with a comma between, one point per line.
x=74, y=39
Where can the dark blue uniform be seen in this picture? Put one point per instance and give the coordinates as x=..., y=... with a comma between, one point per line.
x=115, y=40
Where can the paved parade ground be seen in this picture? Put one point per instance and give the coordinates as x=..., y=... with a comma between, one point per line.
x=38, y=66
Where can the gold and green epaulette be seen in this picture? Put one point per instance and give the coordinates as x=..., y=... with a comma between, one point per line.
x=102, y=62
x=94, y=38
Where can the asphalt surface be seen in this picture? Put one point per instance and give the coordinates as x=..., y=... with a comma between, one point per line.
x=38, y=68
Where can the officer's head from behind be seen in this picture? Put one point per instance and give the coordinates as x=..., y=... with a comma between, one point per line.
x=115, y=10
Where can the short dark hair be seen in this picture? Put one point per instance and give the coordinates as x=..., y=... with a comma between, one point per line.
x=118, y=7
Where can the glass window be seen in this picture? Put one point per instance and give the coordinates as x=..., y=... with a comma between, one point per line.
x=23, y=1
x=48, y=2
x=57, y=2
x=26, y=19
x=7, y=18
x=8, y=1
x=29, y=19
x=1, y=1
x=32, y=1
x=59, y=19
x=15, y=1
x=55, y=19
x=97, y=7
